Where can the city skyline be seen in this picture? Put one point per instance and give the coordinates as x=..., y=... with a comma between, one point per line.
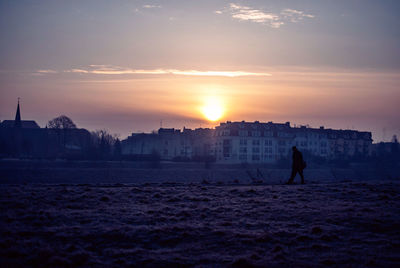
x=128, y=65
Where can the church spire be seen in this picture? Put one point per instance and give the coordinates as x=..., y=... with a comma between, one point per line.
x=17, y=122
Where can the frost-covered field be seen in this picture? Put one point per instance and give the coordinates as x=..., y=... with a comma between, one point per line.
x=339, y=224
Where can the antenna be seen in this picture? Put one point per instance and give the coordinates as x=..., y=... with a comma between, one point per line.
x=161, y=123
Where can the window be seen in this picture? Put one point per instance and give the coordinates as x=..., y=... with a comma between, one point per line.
x=256, y=142
x=226, y=148
x=255, y=157
x=243, y=142
x=243, y=157
x=243, y=150
x=226, y=152
x=256, y=150
x=268, y=133
x=227, y=142
x=243, y=133
x=268, y=150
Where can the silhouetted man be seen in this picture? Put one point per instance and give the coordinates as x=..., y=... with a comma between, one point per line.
x=298, y=165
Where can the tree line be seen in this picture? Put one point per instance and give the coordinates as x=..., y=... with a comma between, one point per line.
x=103, y=144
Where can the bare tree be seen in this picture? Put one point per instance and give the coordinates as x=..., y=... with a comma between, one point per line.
x=61, y=122
x=104, y=136
x=103, y=142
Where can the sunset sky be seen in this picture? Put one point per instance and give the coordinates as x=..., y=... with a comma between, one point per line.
x=126, y=65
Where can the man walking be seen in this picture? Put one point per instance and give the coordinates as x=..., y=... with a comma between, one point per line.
x=298, y=165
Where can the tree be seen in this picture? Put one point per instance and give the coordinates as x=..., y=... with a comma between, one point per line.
x=61, y=125
x=102, y=142
x=61, y=122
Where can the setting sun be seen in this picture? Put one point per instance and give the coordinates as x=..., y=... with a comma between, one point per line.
x=212, y=109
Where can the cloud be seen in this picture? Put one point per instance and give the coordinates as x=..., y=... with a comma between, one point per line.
x=47, y=71
x=141, y=10
x=77, y=71
x=295, y=15
x=116, y=70
x=42, y=72
x=273, y=20
x=218, y=73
x=254, y=15
x=151, y=6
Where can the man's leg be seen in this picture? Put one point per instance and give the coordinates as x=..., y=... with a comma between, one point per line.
x=294, y=171
x=301, y=175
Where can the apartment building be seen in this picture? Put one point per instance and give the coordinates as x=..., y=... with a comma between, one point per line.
x=171, y=144
x=252, y=142
x=255, y=142
x=248, y=142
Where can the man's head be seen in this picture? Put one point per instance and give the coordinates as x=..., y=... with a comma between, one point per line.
x=294, y=148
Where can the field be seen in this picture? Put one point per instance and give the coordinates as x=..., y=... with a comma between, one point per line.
x=167, y=224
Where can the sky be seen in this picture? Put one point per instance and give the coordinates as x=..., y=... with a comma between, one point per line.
x=133, y=66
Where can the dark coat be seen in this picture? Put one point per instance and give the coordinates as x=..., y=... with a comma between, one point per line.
x=298, y=162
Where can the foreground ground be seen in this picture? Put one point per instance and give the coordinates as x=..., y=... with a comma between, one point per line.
x=339, y=224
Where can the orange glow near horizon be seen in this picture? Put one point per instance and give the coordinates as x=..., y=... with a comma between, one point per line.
x=138, y=103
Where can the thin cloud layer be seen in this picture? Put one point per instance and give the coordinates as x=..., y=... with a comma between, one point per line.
x=151, y=6
x=273, y=20
x=295, y=15
x=245, y=13
x=116, y=70
x=47, y=71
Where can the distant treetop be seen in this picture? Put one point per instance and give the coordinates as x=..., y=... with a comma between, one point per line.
x=61, y=122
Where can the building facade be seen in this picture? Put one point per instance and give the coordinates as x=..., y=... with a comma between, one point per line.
x=255, y=142
x=245, y=142
x=248, y=142
x=171, y=144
